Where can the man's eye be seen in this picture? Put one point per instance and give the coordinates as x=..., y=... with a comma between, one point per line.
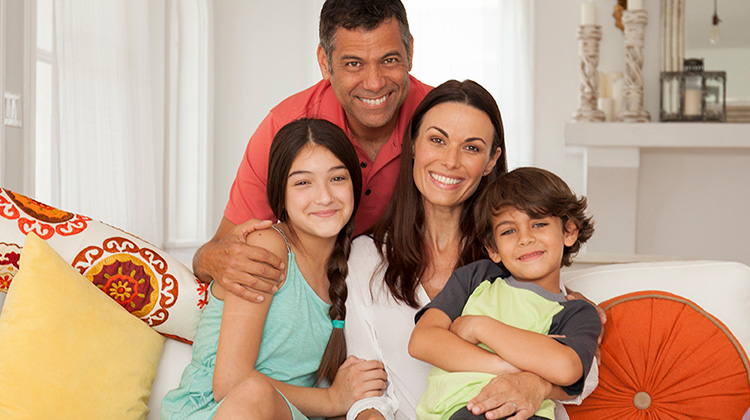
x=353, y=64
x=390, y=60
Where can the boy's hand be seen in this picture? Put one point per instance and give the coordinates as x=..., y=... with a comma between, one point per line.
x=467, y=327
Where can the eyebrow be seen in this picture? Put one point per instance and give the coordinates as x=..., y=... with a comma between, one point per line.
x=333, y=169
x=386, y=55
x=434, y=127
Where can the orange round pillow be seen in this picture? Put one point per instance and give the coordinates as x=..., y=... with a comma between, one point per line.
x=663, y=357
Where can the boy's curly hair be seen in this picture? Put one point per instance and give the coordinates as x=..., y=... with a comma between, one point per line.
x=538, y=193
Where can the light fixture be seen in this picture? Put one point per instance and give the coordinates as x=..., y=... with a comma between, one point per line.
x=714, y=38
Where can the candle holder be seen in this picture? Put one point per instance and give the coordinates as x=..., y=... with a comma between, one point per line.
x=588, y=49
x=632, y=107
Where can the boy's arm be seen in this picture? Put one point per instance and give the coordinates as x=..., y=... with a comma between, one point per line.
x=528, y=351
x=433, y=342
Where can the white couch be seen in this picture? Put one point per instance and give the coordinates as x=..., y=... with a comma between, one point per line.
x=721, y=288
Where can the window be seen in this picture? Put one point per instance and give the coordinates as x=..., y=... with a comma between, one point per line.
x=488, y=41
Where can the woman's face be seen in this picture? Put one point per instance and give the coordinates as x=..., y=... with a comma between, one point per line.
x=452, y=151
x=319, y=193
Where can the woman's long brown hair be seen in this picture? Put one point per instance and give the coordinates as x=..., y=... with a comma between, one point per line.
x=285, y=147
x=400, y=233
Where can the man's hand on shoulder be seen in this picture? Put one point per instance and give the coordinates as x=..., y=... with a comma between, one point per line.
x=241, y=269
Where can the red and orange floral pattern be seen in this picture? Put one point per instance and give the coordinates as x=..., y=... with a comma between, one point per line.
x=10, y=254
x=136, y=278
x=37, y=217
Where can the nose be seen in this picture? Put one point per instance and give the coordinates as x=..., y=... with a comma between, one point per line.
x=373, y=79
x=323, y=195
x=526, y=237
x=450, y=157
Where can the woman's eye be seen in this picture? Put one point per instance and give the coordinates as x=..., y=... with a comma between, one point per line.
x=472, y=148
x=436, y=140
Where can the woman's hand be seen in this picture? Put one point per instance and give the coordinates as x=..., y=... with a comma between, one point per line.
x=356, y=379
x=520, y=393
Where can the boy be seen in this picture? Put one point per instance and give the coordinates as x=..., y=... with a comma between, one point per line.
x=532, y=224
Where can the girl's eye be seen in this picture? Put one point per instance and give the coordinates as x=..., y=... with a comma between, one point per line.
x=300, y=183
x=507, y=232
x=339, y=178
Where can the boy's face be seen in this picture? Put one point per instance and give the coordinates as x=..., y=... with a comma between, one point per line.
x=531, y=249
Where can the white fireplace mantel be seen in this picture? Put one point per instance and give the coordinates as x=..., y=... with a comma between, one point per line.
x=612, y=153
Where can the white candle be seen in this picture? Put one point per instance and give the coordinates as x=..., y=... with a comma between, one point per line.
x=608, y=106
x=635, y=4
x=588, y=13
x=692, y=102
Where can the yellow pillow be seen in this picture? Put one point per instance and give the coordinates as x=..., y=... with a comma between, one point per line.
x=68, y=350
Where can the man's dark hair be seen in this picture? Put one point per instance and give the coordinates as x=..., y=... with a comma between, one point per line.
x=365, y=14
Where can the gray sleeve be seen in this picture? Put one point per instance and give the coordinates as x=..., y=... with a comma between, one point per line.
x=460, y=286
x=580, y=325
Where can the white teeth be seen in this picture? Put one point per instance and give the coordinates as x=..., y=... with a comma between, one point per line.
x=444, y=179
x=375, y=101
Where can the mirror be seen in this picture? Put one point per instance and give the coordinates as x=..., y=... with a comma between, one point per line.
x=686, y=30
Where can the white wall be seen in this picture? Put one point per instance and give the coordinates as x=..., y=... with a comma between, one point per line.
x=264, y=52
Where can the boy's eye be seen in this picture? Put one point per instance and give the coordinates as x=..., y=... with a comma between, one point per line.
x=540, y=224
x=507, y=232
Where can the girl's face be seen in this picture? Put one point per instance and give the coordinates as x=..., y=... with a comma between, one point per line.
x=319, y=193
x=452, y=150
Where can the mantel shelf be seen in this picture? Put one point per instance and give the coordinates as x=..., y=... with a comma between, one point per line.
x=702, y=135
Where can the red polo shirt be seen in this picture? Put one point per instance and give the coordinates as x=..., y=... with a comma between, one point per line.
x=247, y=198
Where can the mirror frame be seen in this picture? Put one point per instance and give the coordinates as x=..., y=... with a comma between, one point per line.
x=673, y=34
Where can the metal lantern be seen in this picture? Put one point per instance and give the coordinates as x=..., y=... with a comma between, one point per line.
x=693, y=94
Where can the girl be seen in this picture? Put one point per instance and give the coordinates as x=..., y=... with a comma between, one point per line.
x=261, y=360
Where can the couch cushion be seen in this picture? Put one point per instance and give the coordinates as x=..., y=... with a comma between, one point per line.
x=143, y=279
x=665, y=357
x=69, y=351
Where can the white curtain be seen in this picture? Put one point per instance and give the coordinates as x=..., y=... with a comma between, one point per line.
x=488, y=41
x=110, y=167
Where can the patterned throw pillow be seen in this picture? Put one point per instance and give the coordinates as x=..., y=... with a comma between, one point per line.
x=146, y=281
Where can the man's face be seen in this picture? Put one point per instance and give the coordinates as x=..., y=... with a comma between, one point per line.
x=369, y=74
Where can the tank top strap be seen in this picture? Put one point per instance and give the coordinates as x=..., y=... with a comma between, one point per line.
x=288, y=248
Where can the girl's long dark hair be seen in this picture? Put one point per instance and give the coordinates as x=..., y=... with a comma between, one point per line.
x=285, y=147
x=400, y=233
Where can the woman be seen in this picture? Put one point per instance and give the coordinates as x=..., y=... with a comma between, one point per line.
x=455, y=141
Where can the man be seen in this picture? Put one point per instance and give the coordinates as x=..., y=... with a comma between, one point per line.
x=365, y=56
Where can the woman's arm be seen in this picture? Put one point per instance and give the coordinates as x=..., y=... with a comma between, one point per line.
x=433, y=342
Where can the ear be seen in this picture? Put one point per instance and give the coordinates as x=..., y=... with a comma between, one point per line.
x=570, y=233
x=411, y=52
x=323, y=63
x=494, y=255
x=493, y=161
